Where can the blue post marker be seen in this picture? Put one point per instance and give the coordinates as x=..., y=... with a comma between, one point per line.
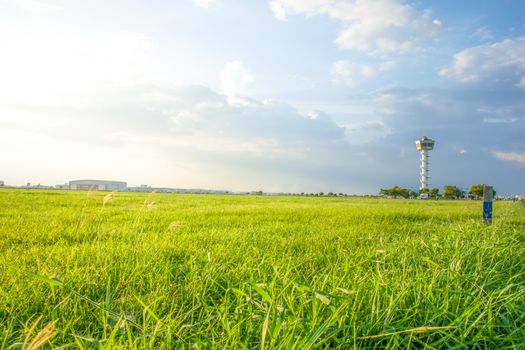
x=487, y=204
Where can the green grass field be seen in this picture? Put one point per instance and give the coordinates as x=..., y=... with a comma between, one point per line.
x=249, y=272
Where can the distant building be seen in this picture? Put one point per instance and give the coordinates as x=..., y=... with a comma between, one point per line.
x=2, y=184
x=100, y=185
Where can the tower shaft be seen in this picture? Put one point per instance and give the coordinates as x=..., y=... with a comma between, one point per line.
x=423, y=169
x=424, y=145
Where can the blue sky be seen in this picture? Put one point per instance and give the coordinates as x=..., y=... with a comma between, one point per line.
x=276, y=95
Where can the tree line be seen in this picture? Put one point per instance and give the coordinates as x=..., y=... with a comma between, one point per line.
x=449, y=192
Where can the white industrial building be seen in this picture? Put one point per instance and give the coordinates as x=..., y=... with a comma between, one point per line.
x=100, y=185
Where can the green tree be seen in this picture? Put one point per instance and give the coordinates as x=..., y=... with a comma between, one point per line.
x=387, y=192
x=395, y=192
x=476, y=191
x=452, y=192
x=433, y=193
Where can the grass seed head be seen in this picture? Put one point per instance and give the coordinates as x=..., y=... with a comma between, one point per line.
x=322, y=298
x=174, y=225
x=107, y=198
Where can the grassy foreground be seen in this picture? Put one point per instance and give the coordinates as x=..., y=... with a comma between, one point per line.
x=209, y=271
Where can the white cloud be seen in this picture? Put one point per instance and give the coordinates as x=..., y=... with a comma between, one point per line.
x=515, y=157
x=181, y=116
x=521, y=84
x=214, y=118
x=363, y=132
x=380, y=26
x=278, y=10
x=367, y=71
x=203, y=3
x=348, y=72
x=345, y=71
x=35, y=6
x=371, y=124
x=235, y=80
x=502, y=115
x=483, y=34
x=499, y=62
x=388, y=66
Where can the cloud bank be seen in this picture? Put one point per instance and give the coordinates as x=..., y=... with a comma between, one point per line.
x=501, y=62
x=373, y=27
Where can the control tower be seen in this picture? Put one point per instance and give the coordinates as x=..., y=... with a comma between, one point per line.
x=424, y=145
